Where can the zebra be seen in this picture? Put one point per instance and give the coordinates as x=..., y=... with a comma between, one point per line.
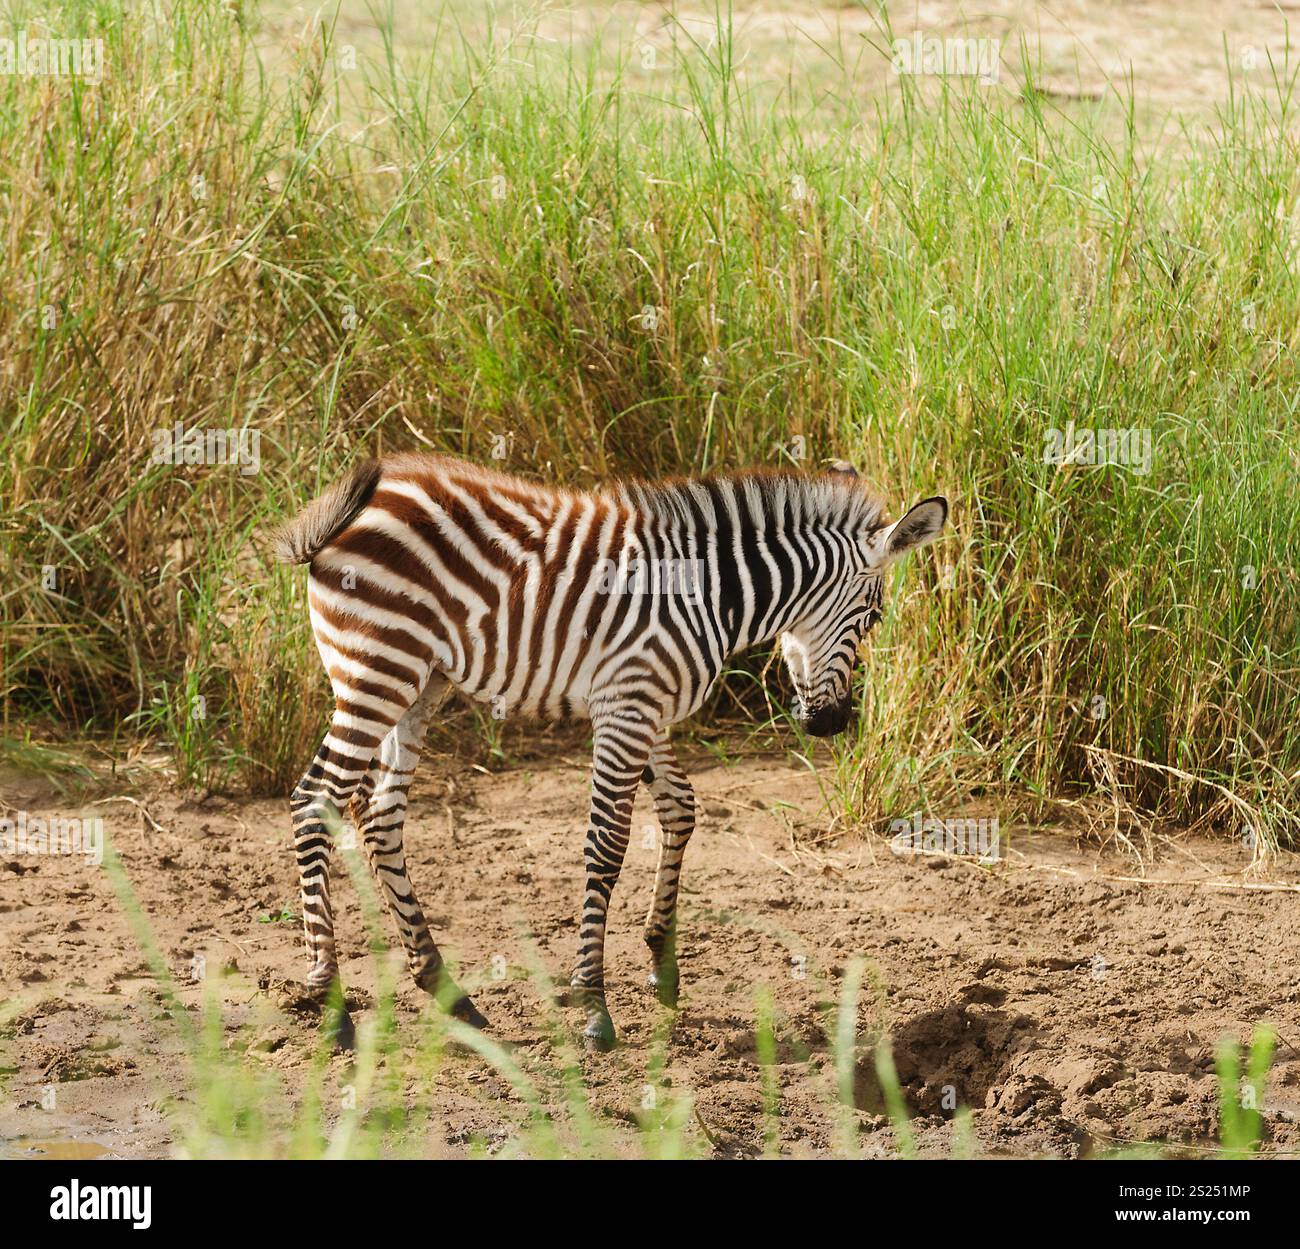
x=621, y=606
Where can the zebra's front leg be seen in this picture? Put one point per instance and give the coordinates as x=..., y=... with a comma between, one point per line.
x=675, y=806
x=622, y=746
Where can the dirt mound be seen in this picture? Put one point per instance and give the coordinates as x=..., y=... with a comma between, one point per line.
x=958, y=1055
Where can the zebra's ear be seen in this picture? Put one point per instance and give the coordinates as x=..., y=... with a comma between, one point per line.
x=842, y=467
x=922, y=524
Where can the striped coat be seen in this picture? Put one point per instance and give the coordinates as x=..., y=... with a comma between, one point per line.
x=621, y=606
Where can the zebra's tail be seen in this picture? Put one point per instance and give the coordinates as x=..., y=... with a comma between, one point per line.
x=298, y=540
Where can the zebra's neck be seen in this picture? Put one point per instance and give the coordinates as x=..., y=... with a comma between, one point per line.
x=766, y=546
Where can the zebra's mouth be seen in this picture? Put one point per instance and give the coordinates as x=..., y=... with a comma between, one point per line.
x=824, y=721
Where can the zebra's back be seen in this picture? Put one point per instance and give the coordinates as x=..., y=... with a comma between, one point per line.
x=518, y=593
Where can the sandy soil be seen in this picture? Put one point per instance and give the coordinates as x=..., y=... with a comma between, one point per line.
x=1070, y=1006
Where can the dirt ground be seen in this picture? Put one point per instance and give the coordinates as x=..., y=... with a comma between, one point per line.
x=1071, y=1005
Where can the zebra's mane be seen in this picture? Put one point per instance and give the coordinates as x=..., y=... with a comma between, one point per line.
x=827, y=500
x=808, y=500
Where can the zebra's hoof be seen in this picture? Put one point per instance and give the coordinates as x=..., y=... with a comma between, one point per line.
x=316, y=993
x=465, y=1010
x=665, y=984
x=598, y=1036
x=342, y=1031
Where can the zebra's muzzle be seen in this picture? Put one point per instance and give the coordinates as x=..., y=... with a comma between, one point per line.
x=826, y=721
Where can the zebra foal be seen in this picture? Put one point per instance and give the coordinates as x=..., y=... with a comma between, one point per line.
x=621, y=606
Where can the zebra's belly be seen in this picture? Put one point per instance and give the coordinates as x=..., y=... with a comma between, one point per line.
x=534, y=701
x=563, y=684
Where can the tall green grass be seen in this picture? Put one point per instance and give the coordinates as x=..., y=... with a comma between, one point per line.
x=500, y=243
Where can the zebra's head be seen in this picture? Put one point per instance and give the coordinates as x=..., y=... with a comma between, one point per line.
x=821, y=650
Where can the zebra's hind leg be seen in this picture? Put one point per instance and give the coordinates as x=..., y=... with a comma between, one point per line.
x=340, y=766
x=379, y=811
x=674, y=801
x=621, y=748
